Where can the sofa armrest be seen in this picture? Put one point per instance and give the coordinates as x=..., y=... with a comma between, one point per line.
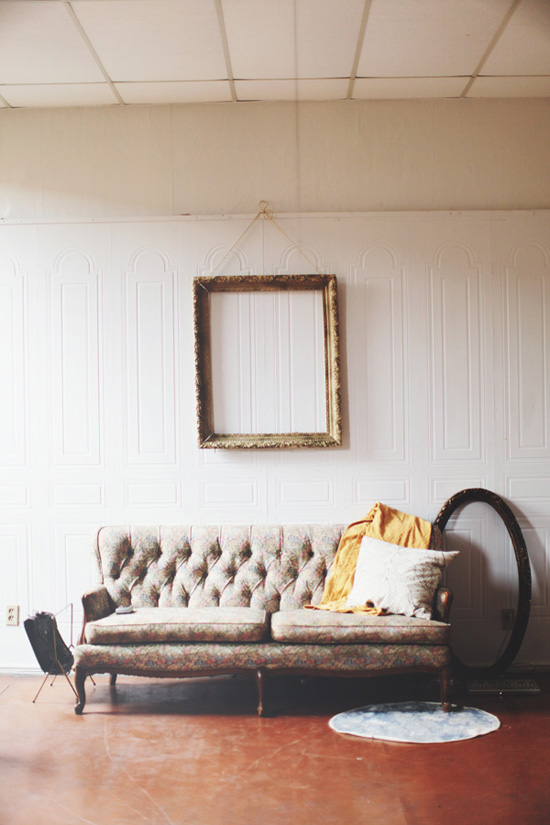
x=97, y=604
x=442, y=604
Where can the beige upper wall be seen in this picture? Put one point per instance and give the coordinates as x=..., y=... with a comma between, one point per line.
x=310, y=157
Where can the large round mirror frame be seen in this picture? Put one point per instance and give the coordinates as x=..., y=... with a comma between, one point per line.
x=524, y=576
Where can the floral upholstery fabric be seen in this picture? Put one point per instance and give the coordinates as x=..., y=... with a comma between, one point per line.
x=180, y=624
x=173, y=659
x=269, y=568
x=312, y=626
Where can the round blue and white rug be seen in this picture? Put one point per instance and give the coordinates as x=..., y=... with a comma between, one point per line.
x=419, y=722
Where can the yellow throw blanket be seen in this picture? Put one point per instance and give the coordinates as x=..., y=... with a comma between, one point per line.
x=382, y=522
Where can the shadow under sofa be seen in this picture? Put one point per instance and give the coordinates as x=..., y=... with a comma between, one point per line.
x=210, y=600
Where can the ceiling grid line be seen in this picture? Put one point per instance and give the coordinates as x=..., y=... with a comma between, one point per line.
x=358, y=48
x=74, y=53
x=93, y=53
x=490, y=48
x=226, y=53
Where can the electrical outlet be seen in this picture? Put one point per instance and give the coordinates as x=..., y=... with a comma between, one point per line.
x=508, y=618
x=12, y=614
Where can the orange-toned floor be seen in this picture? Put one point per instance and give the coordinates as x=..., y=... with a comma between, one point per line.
x=165, y=752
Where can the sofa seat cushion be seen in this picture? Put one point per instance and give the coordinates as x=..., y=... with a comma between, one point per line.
x=150, y=625
x=320, y=627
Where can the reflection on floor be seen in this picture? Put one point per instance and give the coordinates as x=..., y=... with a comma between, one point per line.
x=194, y=752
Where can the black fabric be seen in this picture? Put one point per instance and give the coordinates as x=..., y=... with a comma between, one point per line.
x=49, y=648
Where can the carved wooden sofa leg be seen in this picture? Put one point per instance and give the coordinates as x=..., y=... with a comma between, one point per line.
x=260, y=683
x=445, y=681
x=79, y=679
x=112, y=679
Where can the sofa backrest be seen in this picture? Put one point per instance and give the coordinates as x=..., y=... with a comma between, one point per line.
x=268, y=567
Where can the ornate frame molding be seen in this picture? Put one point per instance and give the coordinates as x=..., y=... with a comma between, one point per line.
x=207, y=437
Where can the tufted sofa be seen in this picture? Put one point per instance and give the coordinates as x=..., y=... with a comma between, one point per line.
x=230, y=599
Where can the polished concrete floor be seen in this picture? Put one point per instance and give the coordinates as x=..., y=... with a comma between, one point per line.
x=165, y=752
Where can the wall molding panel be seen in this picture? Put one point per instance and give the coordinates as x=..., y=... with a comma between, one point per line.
x=295, y=261
x=76, y=354
x=73, y=555
x=537, y=539
x=528, y=326
x=380, y=322
x=232, y=493
x=442, y=489
x=16, y=494
x=533, y=488
x=305, y=492
x=13, y=361
x=79, y=495
x=152, y=494
x=396, y=490
x=456, y=356
x=150, y=358
x=445, y=340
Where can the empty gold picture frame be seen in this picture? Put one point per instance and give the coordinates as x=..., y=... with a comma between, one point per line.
x=204, y=293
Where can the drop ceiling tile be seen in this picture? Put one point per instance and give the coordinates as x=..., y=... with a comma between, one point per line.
x=423, y=38
x=524, y=46
x=315, y=89
x=407, y=88
x=41, y=44
x=141, y=40
x=42, y=95
x=284, y=39
x=193, y=91
x=510, y=87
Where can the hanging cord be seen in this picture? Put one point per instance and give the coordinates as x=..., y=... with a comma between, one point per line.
x=294, y=245
x=72, y=613
x=267, y=214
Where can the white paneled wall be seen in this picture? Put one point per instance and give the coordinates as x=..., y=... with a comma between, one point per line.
x=268, y=369
x=445, y=328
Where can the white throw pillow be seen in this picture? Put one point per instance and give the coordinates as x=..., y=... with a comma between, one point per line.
x=397, y=579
